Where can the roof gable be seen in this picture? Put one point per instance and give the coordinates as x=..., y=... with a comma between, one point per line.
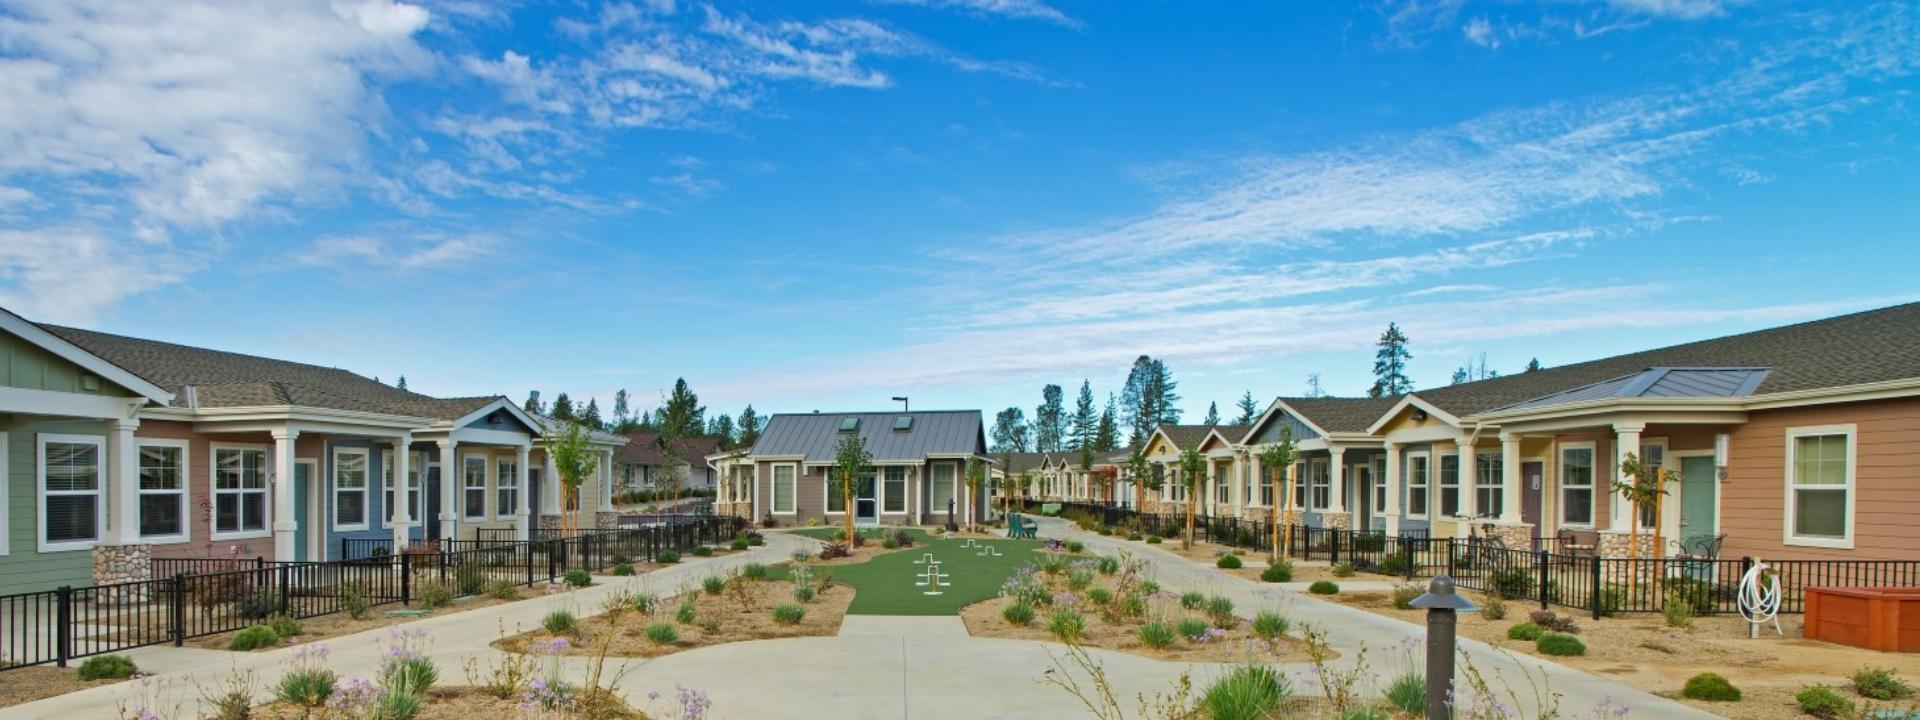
x=60, y=360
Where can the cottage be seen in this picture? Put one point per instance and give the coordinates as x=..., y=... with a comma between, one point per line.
x=920, y=459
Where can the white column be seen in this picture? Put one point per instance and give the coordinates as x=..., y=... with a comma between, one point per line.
x=404, y=513
x=449, y=468
x=123, y=476
x=1626, y=440
x=1394, y=483
x=1469, y=480
x=1510, y=478
x=606, y=482
x=522, y=495
x=284, y=523
x=1336, y=480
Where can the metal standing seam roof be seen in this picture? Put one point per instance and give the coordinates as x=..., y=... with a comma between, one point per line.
x=1658, y=383
x=815, y=436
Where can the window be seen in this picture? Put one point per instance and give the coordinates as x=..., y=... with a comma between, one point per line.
x=1576, y=486
x=239, y=491
x=1489, y=491
x=1266, y=483
x=416, y=464
x=1379, y=482
x=473, y=486
x=1417, y=485
x=836, y=500
x=72, y=471
x=1300, y=482
x=1655, y=456
x=349, y=488
x=1449, y=485
x=1820, y=486
x=1322, y=485
x=896, y=490
x=943, y=474
x=783, y=489
x=163, y=489
x=1222, y=486
x=509, y=474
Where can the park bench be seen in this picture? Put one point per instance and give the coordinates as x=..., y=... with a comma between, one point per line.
x=1016, y=528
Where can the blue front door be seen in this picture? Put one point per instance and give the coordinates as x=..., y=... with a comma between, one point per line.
x=305, y=526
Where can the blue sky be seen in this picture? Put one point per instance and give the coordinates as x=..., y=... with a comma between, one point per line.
x=824, y=204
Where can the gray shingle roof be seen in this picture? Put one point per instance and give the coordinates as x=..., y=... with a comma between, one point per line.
x=1185, y=436
x=815, y=435
x=1340, y=414
x=1022, y=462
x=1659, y=383
x=1863, y=347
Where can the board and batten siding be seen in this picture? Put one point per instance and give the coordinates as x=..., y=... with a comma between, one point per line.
x=24, y=568
x=28, y=366
x=1753, y=507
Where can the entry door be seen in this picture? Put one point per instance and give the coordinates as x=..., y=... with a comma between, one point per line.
x=302, y=483
x=1698, y=485
x=1365, y=481
x=1532, y=474
x=864, y=501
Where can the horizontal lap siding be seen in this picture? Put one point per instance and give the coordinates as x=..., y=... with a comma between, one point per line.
x=1887, y=480
x=24, y=568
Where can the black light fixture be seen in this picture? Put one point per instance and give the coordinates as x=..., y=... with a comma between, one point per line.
x=902, y=399
x=1419, y=415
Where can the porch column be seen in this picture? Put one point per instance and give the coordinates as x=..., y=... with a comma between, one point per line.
x=1626, y=440
x=606, y=480
x=1469, y=481
x=1393, y=488
x=123, y=476
x=1510, y=478
x=403, y=510
x=284, y=523
x=1336, y=485
x=449, y=467
x=522, y=500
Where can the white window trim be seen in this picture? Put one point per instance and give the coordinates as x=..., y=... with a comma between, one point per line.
x=213, y=491
x=1495, y=485
x=1593, y=483
x=1319, y=477
x=502, y=486
x=486, y=469
x=933, y=483
x=1440, y=486
x=773, y=489
x=1426, y=477
x=186, y=483
x=333, y=483
x=1377, y=487
x=1851, y=488
x=880, y=491
x=99, y=492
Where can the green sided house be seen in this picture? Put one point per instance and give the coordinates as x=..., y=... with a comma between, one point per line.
x=919, y=464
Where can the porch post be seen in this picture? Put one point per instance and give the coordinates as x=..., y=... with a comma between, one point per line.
x=449, y=467
x=1469, y=482
x=123, y=476
x=403, y=510
x=1393, y=488
x=522, y=500
x=1626, y=440
x=1510, y=478
x=1337, y=486
x=284, y=523
x=606, y=480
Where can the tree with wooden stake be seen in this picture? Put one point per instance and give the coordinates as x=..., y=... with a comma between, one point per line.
x=1646, y=489
x=1278, y=459
x=1193, y=471
x=850, y=460
x=574, y=461
x=975, y=480
x=1141, y=471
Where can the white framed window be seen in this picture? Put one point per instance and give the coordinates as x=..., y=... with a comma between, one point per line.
x=239, y=491
x=163, y=491
x=416, y=467
x=1302, y=477
x=350, y=471
x=894, y=493
x=783, y=490
x=1654, y=453
x=1322, y=484
x=1489, y=489
x=1266, y=477
x=473, y=487
x=1419, y=477
x=508, y=473
x=1378, y=473
x=1576, y=484
x=943, y=487
x=1222, y=486
x=72, y=476
x=1820, y=486
x=1449, y=485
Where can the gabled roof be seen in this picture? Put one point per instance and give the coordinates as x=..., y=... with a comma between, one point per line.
x=43, y=337
x=814, y=436
x=1657, y=383
x=644, y=448
x=550, y=425
x=1021, y=461
x=1184, y=436
x=1228, y=435
x=1325, y=415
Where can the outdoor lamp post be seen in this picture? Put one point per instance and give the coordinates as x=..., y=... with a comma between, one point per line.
x=1441, y=603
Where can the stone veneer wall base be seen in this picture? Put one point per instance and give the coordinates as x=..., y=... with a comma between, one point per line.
x=114, y=564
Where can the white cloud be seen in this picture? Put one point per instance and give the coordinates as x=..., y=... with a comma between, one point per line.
x=1680, y=9
x=1016, y=9
x=73, y=275
x=688, y=183
x=1480, y=32
x=395, y=255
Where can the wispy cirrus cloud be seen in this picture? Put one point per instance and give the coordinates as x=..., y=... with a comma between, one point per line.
x=1013, y=9
x=389, y=254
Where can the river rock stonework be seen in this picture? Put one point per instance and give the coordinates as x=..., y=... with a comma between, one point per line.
x=121, y=564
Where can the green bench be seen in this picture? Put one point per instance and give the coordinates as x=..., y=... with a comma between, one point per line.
x=1018, y=528
x=1050, y=509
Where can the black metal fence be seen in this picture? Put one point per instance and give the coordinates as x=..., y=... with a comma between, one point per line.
x=198, y=597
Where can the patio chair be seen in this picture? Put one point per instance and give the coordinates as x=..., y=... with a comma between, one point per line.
x=1574, y=543
x=1699, y=547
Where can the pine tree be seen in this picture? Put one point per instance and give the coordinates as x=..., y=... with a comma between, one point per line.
x=1390, y=364
x=1086, y=421
x=591, y=418
x=683, y=412
x=722, y=428
x=622, y=412
x=1313, y=386
x=1249, y=411
x=1166, y=402
x=749, y=427
x=532, y=405
x=1010, y=431
x=563, y=407
x=1050, y=420
x=1533, y=365
x=1213, y=414
x=402, y=384
x=646, y=421
x=1134, y=412
x=1107, y=431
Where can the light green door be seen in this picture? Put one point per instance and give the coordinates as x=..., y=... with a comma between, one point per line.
x=300, y=473
x=1697, y=487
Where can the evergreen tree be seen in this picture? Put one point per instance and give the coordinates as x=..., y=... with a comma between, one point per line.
x=622, y=412
x=532, y=405
x=749, y=427
x=402, y=384
x=1213, y=414
x=1533, y=365
x=1248, y=410
x=646, y=421
x=1050, y=420
x=563, y=407
x=722, y=428
x=1390, y=364
x=1149, y=399
x=682, y=411
x=1010, y=432
x=1474, y=371
x=1107, y=432
x=1082, y=431
x=591, y=418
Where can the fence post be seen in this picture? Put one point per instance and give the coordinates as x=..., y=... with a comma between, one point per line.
x=179, y=609
x=1450, y=556
x=1333, y=553
x=63, y=630
x=1406, y=548
x=586, y=553
x=406, y=578
x=550, y=569
x=1541, y=559
x=1593, y=598
x=286, y=588
x=529, y=563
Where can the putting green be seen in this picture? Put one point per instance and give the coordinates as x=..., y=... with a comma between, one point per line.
x=885, y=584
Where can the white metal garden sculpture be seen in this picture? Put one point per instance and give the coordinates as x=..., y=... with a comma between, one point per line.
x=1760, y=599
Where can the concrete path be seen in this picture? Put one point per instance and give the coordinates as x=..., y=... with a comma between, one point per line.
x=1347, y=628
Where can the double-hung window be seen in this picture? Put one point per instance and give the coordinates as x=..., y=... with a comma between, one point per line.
x=895, y=491
x=1449, y=485
x=836, y=499
x=1489, y=490
x=1301, y=478
x=163, y=490
x=1655, y=456
x=73, y=473
x=783, y=489
x=1418, y=476
x=508, y=474
x=1222, y=486
x=1576, y=485
x=416, y=464
x=1267, y=478
x=350, y=466
x=943, y=477
x=473, y=485
x=239, y=491
x=1820, y=486
x=1379, y=476
x=1322, y=485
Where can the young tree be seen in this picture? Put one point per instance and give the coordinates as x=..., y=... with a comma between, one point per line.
x=1083, y=431
x=1249, y=411
x=1050, y=420
x=749, y=427
x=1390, y=364
x=532, y=405
x=1644, y=486
x=850, y=460
x=1277, y=460
x=1193, y=474
x=976, y=479
x=563, y=407
x=1107, y=431
x=622, y=411
x=1313, y=386
x=1213, y=415
x=574, y=461
x=1010, y=431
x=592, y=415
x=1141, y=472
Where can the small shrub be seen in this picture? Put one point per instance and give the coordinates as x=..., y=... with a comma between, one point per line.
x=1559, y=644
x=890, y=544
x=1556, y=622
x=1404, y=595
x=713, y=584
x=283, y=625
x=687, y=611
x=1220, y=610
x=1228, y=562
x=578, y=578
x=1611, y=600
x=620, y=557
x=560, y=622
x=257, y=606
x=1677, y=611
x=644, y=602
x=1278, y=572
x=1192, y=600
x=1133, y=606
x=503, y=590
x=1511, y=583
x=667, y=557
x=1066, y=625
x=1100, y=596
x=1076, y=547
x=1134, y=536
x=1079, y=579
x=1395, y=564
x=307, y=687
x=754, y=571
x=1494, y=608
x=904, y=538
x=1193, y=629
x=107, y=667
x=253, y=638
x=1107, y=565
x=1248, y=692
x=738, y=544
x=1018, y=614
x=704, y=551
x=354, y=602
x=755, y=540
x=788, y=614
x=1153, y=540
x=1156, y=635
x=469, y=579
x=662, y=633
x=1323, y=587
x=1822, y=702
x=1270, y=625
x=435, y=595
x=1712, y=687
x=1148, y=587
x=1880, y=683
x=1408, y=694
x=1525, y=631
x=835, y=550
x=803, y=593
x=1343, y=570
x=623, y=570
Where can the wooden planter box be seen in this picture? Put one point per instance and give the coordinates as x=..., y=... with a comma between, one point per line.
x=1885, y=619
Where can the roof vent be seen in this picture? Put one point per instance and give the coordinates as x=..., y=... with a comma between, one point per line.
x=849, y=424
x=903, y=423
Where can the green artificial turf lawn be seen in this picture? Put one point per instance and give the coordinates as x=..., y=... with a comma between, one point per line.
x=885, y=584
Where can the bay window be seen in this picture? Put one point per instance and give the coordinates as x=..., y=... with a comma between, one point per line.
x=163, y=490
x=239, y=491
x=72, y=476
